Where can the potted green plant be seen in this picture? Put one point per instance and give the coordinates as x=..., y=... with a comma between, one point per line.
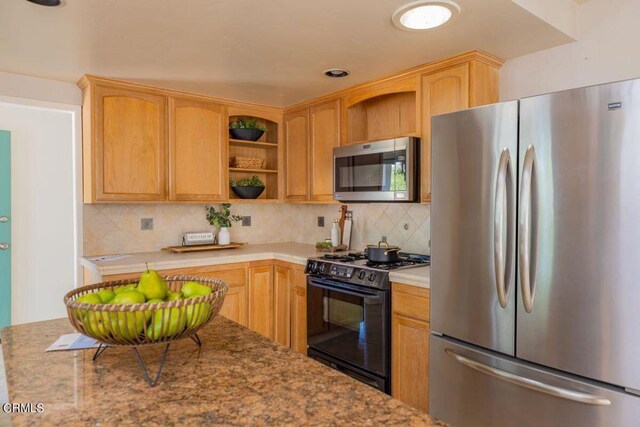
x=248, y=188
x=246, y=129
x=222, y=219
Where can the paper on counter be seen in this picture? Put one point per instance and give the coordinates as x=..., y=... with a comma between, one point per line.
x=73, y=342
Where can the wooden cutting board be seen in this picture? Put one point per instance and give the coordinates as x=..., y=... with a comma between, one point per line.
x=200, y=248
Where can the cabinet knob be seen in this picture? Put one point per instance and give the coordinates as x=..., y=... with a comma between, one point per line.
x=4, y=246
x=4, y=219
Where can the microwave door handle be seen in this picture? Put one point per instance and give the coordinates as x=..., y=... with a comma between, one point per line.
x=529, y=383
x=342, y=290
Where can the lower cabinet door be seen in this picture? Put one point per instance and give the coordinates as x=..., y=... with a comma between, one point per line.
x=235, y=304
x=261, y=300
x=282, y=308
x=410, y=361
x=299, y=312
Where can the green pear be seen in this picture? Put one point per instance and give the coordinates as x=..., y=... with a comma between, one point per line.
x=125, y=288
x=86, y=299
x=198, y=314
x=105, y=295
x=128, y=297
x=152, y=285
x=148, y=313
x=173, y=296
x=96, y=324
x=127, y=325
x=195, y=289
x=166, y=322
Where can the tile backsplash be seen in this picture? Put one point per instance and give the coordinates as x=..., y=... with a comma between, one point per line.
x=112, y=229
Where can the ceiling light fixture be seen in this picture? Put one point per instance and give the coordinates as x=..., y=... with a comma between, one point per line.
x=336, y=72
x=49, y=3
x=424, y=14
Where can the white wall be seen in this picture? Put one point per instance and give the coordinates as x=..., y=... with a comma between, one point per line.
x=46, y=207
x=606, y=51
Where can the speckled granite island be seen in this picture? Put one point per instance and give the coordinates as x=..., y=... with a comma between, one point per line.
x=237, y=377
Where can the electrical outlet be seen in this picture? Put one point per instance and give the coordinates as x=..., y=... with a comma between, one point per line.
x=146, y=224
x=246, y=221
x=384, y=239
x=320, y=221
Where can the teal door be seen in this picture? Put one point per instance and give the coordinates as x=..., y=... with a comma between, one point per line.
x=5, y=228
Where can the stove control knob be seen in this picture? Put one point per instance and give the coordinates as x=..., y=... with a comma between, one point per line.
x=372, y=276
x=313, y=267
x=322, y=268
x=361, y=274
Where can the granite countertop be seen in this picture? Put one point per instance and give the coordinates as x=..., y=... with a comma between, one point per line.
x=237, y=377
x=296, y=253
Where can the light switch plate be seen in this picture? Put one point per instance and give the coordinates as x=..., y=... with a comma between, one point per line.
x=320, y=221
x=146, y=224
x=246, y=221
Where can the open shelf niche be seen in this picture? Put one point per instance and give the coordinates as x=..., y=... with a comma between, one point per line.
x=267, y=148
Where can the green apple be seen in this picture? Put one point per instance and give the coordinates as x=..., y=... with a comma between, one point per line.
x=152, y=285
x=125, y=288
x=166, y=322
x=173, y=296
x=195, y=289
x=105, y=295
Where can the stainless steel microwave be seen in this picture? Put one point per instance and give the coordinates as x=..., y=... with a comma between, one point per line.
x=381, y=171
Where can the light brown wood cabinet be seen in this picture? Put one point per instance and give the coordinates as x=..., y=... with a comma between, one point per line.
x=324, y=137
x=282, y=304
x=197, y=151
x=124, y=144
x=261, y=300
x=299, y=310
x=467, y=85
x=410, y=345
x=296, y=148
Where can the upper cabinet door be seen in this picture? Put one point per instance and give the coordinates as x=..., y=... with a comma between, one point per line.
x=197, y=150
x=296, y=142
x=325, y=136
x=442, y=92
x=129, y=143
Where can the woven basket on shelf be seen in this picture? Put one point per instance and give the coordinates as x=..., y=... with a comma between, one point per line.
x=146, y=323
x=246, y=162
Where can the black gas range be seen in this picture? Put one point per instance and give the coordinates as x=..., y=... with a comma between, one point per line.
x=349, y=314
x=353, y=267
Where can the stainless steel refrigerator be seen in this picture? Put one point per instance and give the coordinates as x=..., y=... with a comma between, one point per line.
x=535, y=276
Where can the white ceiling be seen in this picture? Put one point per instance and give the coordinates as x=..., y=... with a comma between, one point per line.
x=270, y=52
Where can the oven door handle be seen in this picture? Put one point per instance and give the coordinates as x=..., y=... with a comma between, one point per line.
x=343, y=290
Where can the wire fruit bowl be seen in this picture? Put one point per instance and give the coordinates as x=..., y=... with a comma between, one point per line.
x=141, y=324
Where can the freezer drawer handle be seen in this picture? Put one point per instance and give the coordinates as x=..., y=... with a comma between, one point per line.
x=528, y=246
x=562, y=393
x=504, y=193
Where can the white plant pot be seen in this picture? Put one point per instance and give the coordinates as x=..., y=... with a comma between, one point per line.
x=224, y=237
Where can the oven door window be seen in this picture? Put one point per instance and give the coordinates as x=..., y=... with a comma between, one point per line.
x=372, y=172
x=347, y=326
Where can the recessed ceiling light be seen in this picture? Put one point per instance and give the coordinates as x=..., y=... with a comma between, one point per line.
x=424, y=14
x=47, y=2
x=336, y=72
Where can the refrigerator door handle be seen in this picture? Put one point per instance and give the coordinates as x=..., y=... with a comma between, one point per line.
x=528, y=230
x=503, y=259
x=529, y=383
